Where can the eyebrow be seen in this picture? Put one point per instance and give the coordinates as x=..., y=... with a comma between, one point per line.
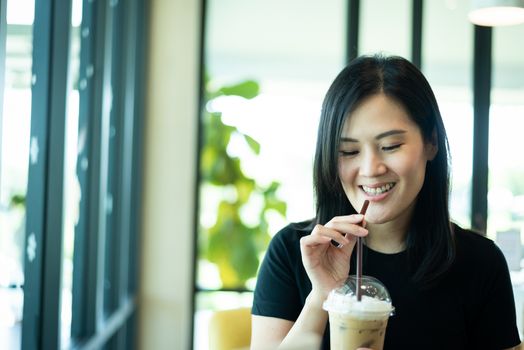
x=378, y=137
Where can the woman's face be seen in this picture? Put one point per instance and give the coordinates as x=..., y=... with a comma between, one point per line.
x=382, y=158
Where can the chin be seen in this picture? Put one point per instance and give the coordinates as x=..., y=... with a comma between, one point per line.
x=376, y=220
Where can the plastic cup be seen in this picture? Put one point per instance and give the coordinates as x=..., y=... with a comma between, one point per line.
x=358, y=324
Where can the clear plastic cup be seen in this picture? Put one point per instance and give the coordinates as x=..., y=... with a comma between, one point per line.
x=358, y=324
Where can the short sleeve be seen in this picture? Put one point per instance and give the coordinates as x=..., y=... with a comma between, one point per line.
x=497, y=319
x=276, y=291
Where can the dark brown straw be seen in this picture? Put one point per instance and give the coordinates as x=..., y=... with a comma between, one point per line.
x=359, y=256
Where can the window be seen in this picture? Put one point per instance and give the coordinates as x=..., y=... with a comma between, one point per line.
x=385, y=27
x=447, y=66
x=506, y=169
x=16, y=24
x=69, y=172
x=260, y=86
x=284, y=66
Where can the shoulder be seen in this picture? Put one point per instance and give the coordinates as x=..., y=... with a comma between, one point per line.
x=477, y=249
x=282, y=283
x=285, y=244
x=290, y=235
x=472, y=240
x=467, y=235
x=486, y=290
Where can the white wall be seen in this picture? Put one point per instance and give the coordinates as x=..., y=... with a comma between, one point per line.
x=169, y=175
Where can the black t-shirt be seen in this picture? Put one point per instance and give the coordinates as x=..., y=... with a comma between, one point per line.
x=472, y=307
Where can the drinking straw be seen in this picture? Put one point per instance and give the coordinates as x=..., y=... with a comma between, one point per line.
x=359, y=256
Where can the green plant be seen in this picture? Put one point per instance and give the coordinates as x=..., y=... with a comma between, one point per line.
x=231, y=244
x=17, y=200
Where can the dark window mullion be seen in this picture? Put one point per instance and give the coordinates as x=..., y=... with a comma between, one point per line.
x=141, y=34
x=86, y=262
x=96, y=138
x=103, y=159
x=54, y=229
x=481, y=104
x=44, y=226
x=114, y=171
x=35, y=197
x=416, y=32
x=128, y=81
x=352, y=32
x=199, y=140
x=88, y=290
x=81, y=326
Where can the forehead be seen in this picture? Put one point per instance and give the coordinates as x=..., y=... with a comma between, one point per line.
x=376, y=114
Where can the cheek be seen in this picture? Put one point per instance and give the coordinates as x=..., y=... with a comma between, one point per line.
x=413, y=171
x=345, y=171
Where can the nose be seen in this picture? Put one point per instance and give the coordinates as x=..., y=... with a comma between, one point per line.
x=372, y=165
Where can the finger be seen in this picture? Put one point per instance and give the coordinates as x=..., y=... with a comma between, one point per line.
x=314, y=240
x=335, y=235
x=348, y=224
x=352, y=219
x=354, y=229
x=347, y=249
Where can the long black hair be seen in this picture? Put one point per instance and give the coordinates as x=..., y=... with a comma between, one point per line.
x=429, y=241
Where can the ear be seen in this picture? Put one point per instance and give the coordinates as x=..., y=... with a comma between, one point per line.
x=431, y=147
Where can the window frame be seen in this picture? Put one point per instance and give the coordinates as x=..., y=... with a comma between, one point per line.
x=111, y=113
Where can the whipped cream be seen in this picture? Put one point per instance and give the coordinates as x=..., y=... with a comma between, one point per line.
x=348, y=304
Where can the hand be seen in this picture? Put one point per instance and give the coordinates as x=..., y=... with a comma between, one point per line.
x=326, y=265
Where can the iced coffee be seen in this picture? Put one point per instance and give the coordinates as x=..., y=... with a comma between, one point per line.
x=358, y=324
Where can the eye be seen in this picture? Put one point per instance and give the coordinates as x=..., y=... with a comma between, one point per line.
x=391, y=148
x=348, y=153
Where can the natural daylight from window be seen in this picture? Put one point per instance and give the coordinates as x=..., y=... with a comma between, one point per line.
x=293, y=78
x=16, y=150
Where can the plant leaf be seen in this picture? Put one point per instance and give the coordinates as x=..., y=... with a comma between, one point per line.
x=247, y=89
x=253, y=144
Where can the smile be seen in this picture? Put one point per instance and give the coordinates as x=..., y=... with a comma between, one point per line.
x=374, y=191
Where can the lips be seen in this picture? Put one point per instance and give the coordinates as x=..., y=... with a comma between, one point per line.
x=378, y=190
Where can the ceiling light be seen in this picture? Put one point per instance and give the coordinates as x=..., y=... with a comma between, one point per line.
x=496, y=12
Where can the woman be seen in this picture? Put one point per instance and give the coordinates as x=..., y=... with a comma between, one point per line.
x=381, y=138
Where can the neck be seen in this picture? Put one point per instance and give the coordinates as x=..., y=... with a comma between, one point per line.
x=389, y=237
x=384, y=238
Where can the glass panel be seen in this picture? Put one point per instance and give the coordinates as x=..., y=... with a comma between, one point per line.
x=506, y=166
x=385, y=26
x=446, y=61
x=280, y=70
x=15, y=130
x=71, y=185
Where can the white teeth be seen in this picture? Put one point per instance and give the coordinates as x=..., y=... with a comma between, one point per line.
x=378, y=190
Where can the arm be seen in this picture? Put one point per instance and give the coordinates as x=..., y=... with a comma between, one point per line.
x=270, y=330
x=326, y=267
x=312, y=319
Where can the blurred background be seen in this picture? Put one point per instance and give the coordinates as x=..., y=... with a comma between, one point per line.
x=149, y=150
